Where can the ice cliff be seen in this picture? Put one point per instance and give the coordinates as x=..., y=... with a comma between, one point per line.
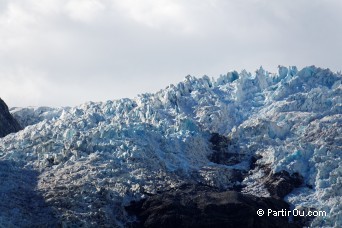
x=90, y=161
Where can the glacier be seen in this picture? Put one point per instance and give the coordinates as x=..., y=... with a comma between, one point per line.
x=91, y=160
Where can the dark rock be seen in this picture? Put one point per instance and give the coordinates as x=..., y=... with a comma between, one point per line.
x=282, y=183
x=221, y=153
x=7, y=123
x=203, y=206
x=254, y=159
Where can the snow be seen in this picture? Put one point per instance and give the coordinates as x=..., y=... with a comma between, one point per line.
x=130, y=147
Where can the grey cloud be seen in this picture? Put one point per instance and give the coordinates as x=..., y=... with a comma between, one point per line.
x=65, y=53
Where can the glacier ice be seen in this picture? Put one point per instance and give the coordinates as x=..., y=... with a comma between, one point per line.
x=101, y=155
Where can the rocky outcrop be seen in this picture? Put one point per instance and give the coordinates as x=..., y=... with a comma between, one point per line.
x=203, y=206
x=224, y=151
x=7, y=123
x=282, y=183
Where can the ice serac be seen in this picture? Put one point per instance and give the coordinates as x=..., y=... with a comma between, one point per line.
x=32, y=115
x=253, y=132
x=7, y=123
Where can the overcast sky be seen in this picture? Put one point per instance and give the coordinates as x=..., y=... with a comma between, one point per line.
x=66, y=52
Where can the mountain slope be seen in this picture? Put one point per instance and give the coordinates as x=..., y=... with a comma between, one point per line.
x=7, y=123
x=95, y=158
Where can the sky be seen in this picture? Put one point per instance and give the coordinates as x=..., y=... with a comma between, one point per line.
x=67, y=52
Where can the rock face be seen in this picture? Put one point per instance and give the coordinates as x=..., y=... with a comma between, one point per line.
x=282, y=183
x=203, y=206
x=7, y=123
x=223, y=151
